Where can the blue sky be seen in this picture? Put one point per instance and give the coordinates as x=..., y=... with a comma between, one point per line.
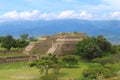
x=46, y=5
x=59, y=9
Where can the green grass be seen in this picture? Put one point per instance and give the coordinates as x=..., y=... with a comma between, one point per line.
x=12, y=55
x=20, y=71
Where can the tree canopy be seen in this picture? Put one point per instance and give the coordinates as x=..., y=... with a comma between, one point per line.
x=93, y=47
x=8, y=42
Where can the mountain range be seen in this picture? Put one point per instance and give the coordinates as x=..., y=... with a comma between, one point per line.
x=108, y=28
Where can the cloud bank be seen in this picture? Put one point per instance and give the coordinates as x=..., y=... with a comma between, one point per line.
x=68, y=14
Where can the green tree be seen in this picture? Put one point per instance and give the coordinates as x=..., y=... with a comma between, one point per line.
x=8, y=42
x=94, y=47
x=48, y=62
x=88, y=49
x=57, y=64
x=104, y=45
x=24, y=36
x=97, y=73
x=32, y=38
x=21, y=43
x=1, y=38
x=70, y=60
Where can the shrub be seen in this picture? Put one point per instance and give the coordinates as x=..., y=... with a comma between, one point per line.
x=97, y=72
x=70, y=60
x=103, y=61
x=94, y=47
x=49, y=77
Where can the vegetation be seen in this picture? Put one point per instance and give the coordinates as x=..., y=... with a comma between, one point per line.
x=47, y=63
x=24, y=36
x=97, y=73
x=12, y=55
x=95, y=58
x=70, y=60
x=8, y=42
x=94, y=47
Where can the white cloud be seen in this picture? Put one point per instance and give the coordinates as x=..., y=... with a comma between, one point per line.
x=111, y=16
x=36, y=15
x=86, y=15
x=68, y=14
x=14, y=15
x=115, y=14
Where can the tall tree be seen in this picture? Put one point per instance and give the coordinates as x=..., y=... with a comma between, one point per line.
x=104, y=45
x=8, y=42
x=94, y=47
x=88, y=49
x=24, y=36
x=70, y=60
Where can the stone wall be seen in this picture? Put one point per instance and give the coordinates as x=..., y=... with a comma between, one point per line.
x=43, y=46
x=18, y=59
x=66, y=48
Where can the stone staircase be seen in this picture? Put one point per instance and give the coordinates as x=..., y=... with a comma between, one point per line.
x=29, y=47
x=42, y=47
x=52, y=49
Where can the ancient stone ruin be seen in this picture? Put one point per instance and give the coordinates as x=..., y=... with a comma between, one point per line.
x=60, y=44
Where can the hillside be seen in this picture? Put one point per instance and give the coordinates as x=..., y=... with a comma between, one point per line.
x=110, y=29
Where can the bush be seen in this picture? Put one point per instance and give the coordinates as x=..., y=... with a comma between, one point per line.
x=108, y=60
x=94, y=47
x=103, y=61
x=97, y=72
x=70, y=60
x=49, y=77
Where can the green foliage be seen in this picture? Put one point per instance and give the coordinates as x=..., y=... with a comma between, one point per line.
x=21, y=43
x=49, y=77
x=90, y=48
x=24, y=36
x=113, y=58
x=1, y=38
x=32, y=38
x=48, y=62
x=116, y=48
x=8, y=42
x=104, y=45
x=104, y=61
x=70, y=60
x=97, y=73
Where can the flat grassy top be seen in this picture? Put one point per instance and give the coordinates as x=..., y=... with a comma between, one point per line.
x=11, y=55
x=20, y=71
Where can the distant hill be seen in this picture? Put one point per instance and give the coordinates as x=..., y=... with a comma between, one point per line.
x=110, y=29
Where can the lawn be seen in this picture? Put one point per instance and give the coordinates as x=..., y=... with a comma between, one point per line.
x=20, y=71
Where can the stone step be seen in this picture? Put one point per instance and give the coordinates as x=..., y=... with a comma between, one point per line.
x=52, y=49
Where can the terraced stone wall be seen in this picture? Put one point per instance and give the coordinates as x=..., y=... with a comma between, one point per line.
x=17, y=59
